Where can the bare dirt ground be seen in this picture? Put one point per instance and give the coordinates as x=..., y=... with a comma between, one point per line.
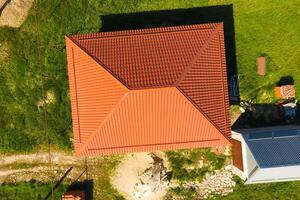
x=140, y=176
x=15, y=13
x=27, y=167
x=57, y=158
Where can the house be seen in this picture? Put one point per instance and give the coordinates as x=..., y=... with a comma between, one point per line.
x=149, y=89
x=267, y=154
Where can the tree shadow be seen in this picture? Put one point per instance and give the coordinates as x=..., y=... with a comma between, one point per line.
x=190, y=16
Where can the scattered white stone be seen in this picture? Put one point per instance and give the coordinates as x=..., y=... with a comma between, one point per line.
x=218, y=182
x=200, y=163
x=233, y=184
x=228, y=167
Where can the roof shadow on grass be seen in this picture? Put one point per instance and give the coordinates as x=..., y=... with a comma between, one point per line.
x=285, y=80
x=86, y=186
x=265, y=115
x=190, y=16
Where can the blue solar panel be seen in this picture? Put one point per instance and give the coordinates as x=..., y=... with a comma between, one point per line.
x=281, y=150
x=260, y=135
x=286, y=133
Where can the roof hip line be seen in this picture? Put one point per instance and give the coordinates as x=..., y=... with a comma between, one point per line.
x=203, y=113
x=84, y=146
x=99, y=62
x=205, y=45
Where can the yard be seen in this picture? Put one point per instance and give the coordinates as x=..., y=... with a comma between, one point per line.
x=22, y=191
x=36, y=51
x=287, y=190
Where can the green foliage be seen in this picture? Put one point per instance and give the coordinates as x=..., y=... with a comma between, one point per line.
x=23, y=165
x=262, y=28
x=267, y=28
x=103, y=168
x=31, y=49
x=40, y=44
x=182, y=193
x=285, y=190
x=29, y=191
x=181, y=160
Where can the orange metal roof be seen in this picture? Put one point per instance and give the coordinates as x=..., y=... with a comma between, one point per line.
x=285, y=91
x=147, y=58
x=149, y=118
x=149, y=89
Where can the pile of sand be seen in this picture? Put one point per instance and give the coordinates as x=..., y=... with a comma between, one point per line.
x=142, y=176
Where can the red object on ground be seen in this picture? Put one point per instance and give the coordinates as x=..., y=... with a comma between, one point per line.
x=74, y=195
x=261, y=66
x=237, y=155
x=285, y=91
x=149, y=89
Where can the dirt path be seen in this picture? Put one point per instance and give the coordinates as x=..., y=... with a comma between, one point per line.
x=26, y=167
x=56, y=158
x=15, y=13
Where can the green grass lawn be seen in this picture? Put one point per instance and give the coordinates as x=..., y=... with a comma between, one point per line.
x=29, y=191
x=100, y=171
x=282, y=191
x=181, y=160
x=262, y=27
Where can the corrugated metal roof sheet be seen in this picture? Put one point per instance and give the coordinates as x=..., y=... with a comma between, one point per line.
x=149, y=119
x=275, y=148
x=105, y=67
x=206, y=82
x=148, y=58
x=94, y=93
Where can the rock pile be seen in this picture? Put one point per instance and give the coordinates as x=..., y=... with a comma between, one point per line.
x=218, y=183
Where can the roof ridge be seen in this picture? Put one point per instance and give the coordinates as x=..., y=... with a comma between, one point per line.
x=98, y=61
x=199, y=53
x=83, y=146
x=149, y=33
x=142, y=31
